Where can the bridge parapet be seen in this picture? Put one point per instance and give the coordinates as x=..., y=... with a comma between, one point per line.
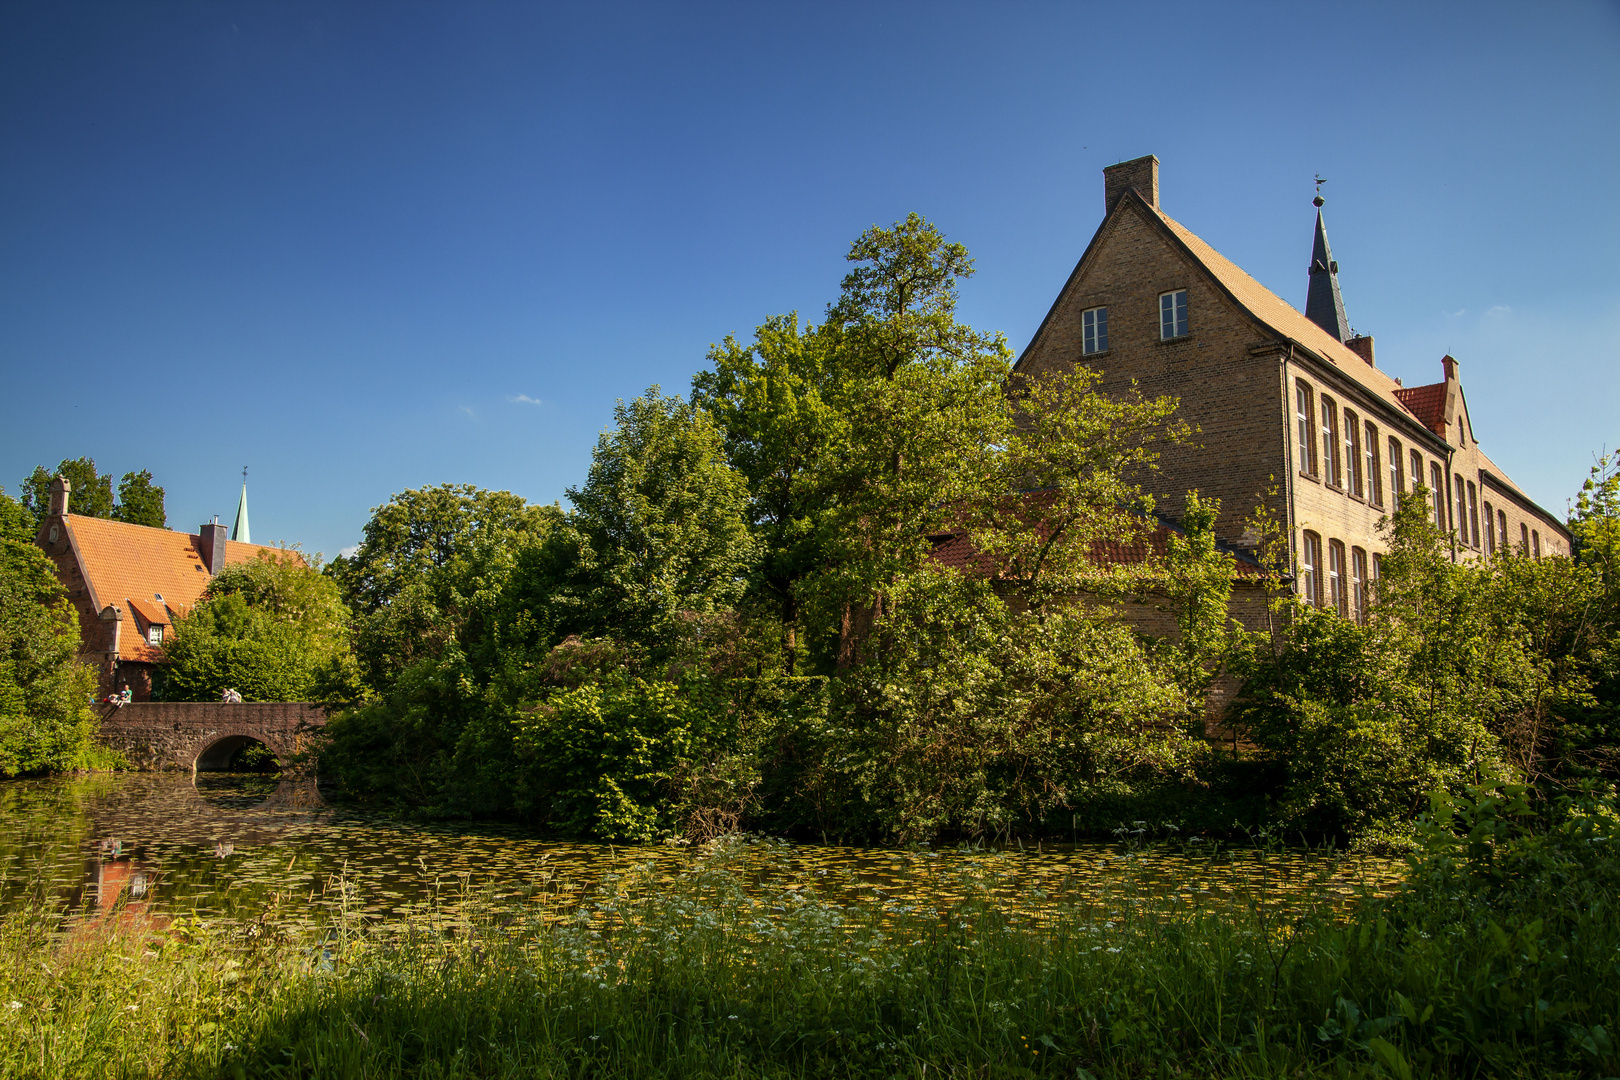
x=159, y=736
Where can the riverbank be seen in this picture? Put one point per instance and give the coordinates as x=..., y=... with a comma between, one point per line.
x=1495, y=958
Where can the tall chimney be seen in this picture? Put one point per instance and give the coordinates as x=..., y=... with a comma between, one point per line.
x=211, y=541
x=61, y=488
x=1140, y=173
x=1361, y=345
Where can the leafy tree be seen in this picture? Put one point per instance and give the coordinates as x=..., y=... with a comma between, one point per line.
x=273, y=628
x=140, y=502
x=780, y=407
x=92, y=494
x=45, y=718
x=429, y=572
x=660, y=525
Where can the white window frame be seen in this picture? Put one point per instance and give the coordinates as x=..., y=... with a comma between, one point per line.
x=1173, y=320
x=1094, y=331
x=1338, y=600
x=1330, y=441
x=1375, y=475
x=1352, y=453
x=1305, y=414
x=1310, y=556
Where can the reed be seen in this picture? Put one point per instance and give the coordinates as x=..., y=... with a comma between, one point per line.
x=1503, y=962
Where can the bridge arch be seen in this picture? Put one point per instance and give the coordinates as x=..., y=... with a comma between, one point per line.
x=191, y=736
x=216, y=756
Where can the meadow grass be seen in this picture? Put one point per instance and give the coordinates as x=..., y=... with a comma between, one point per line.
x=1494, y=961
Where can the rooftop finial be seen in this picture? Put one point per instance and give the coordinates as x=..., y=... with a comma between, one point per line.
x=1318, y=201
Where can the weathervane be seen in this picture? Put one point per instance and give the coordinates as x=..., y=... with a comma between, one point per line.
x=1318, y=201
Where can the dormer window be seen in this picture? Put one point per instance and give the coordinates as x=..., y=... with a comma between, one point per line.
x=1173, y=315
x=154, y=635
x=1094, y=330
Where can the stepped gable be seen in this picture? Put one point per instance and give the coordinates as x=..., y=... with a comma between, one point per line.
x=129, y=567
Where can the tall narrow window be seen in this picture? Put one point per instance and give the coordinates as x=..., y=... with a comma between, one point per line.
x=1094, y=330
x=1473, y=515
x=1462, y=510
x=1330, y=442
x=1375, y=475
x=1377, y=568
x=1490, y=530
x=1352, y=454
x=1358, y=584
x=1172, y=314
x=1524, y=539
x=1535, y=544
x=1336, y=586
x=1417, y=468
x=1305, y=413
x=1397, y=482
x=1310, y=557
x=1501, y=529
x=1437, y=481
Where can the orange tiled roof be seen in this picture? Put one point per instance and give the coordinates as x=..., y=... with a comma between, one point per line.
x=1427, y=403
x=151, y=612
x=124, y=564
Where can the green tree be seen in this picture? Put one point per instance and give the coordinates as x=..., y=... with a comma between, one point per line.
x=273, y=628
x=46, y=722
x=662, y=516
x=429, y=572
x=140, y=502
x=92, y=494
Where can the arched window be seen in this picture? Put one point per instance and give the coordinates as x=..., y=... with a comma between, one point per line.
x=1490, y=530
x=1338, y=593
x=1305, y=416
x=1310, y=562
x=1358, y=585
x=1330, y=442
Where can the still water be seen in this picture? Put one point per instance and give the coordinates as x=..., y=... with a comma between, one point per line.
x=236, y=847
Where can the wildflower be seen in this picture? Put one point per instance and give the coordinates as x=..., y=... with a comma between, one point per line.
x=14, y=1005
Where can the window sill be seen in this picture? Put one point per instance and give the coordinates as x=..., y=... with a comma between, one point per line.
x=1312, y=477
x=1182, y=340
x=1091, y=355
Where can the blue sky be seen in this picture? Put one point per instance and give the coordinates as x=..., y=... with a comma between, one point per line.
x=365, y=247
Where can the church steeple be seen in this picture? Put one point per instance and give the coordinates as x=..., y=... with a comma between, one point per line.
x=239, y=531
x=1323, y=304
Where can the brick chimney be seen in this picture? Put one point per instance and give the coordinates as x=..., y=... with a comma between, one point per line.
x=61, y=489
x=211, y=543
x=1361, y=345
x=1141, y=173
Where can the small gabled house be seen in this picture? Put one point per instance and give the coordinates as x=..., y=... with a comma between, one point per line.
x=1283, y=401
x=129, y=583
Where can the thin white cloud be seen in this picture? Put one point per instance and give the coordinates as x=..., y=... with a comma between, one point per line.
x=348, y=552
x=468, y=409
x=524, y=399
x=1498, y=309
x=1458, y=313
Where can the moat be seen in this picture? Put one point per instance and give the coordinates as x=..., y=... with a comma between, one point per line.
x=263, y=849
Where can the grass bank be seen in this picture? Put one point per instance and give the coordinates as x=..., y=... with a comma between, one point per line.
x=1499, y=957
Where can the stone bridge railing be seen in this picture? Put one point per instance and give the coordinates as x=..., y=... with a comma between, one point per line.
x=200, y=735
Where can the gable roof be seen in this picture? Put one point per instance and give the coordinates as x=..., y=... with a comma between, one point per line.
x=128, y=566
x=1427, y=403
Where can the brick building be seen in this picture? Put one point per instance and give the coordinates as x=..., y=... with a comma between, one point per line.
x=1283, y=401
x=129, y=582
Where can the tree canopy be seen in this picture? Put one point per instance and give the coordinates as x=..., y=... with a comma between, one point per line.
x=140, y=502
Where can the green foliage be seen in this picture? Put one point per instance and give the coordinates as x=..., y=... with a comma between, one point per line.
x=660, y=524
x=1495, y=958
x=428, y=574
x=972, y=717
x=273, y=628
x=45, y=718
x=139, y=501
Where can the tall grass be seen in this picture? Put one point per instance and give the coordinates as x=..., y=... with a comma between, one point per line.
x=1500, y=957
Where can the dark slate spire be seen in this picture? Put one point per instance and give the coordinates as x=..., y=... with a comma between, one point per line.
x=1323, y=304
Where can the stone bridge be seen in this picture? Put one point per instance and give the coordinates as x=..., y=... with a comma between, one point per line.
x=159, y=736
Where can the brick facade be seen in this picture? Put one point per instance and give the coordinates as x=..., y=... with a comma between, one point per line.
x=1237, y=372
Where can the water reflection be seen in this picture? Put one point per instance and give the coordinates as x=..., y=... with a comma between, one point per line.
x=273, y=850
